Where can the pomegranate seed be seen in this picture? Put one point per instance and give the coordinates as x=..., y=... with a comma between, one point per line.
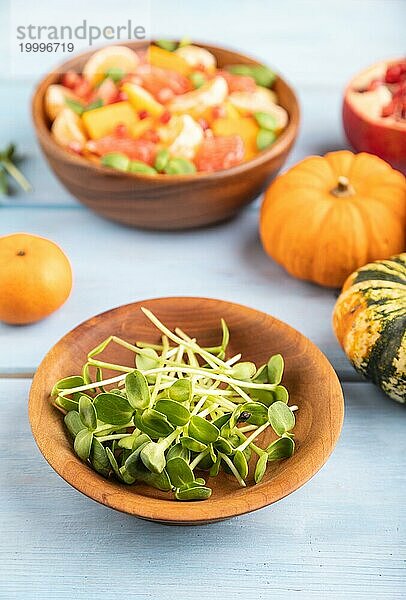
x=165, y=117
x=218, y=112
x=203, y=123
x=393, y=74
x=143, y=114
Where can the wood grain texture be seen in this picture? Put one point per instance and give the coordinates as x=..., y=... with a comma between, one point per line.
x=161, y=201
x=340, y=536
x=309, y=378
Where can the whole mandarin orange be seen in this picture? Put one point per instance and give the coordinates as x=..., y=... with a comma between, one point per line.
x=35, y=278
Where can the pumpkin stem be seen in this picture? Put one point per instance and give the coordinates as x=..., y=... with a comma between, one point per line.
x=344, y=188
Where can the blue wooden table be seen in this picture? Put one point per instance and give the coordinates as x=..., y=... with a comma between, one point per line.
x=340, y=536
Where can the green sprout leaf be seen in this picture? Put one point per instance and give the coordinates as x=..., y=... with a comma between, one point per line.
x=73, y=422
x=83, y=443
x=113, y=409
x=176, y=413
x=241, y=464
x=193, y=493
x=281, y=418
x=67, y=383
x=179, y=472
x=192, y=444
x=156, y=422
x=153, y=457
x=137, y=390
x=202, y=430
x=275, y=369
x=98, y=458
x=181, y=390
x=87, y=412
x=260, y=468
x=147, y=359
x=281, y=448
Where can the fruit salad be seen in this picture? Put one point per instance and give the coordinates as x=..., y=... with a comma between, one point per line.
x=380, y=92
x=169, y=109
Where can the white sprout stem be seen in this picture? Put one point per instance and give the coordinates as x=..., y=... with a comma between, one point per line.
x=252, y=437
x=247, y=428
x=233, y=469
x=294, y=407
x=198, y=458
x=218, y=376
x=117, y=436
x=175, y=338
x=156, y=388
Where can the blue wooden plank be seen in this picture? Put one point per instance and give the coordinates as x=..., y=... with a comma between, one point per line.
x=341, y=536
x=114, y=265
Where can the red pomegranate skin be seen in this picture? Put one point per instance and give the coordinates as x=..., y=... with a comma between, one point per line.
x=388, y=141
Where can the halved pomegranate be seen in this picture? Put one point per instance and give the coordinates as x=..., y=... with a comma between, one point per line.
x=374, y=111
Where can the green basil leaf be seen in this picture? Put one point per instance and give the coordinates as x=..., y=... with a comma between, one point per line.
x=156, y=422
x=67, y=383
x=99, y=459
x=193, y=493
x=202, y=430
x=87, y=412
x=113, y=409
x=282, y=448
x=179, y=472
x=147, y=359
x=83, y=443
x=281, y=418
x=73, y=423
x=137, y=390
x=153, y=457
x=275, y=369
x=181, y=390
x=192, y=444
x=241, y=464
x=176, y=413
x=260, y=468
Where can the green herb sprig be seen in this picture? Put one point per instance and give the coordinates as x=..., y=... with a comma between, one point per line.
x=178, y=409
x=8, y=168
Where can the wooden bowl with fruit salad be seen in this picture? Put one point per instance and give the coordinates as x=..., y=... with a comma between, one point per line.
x=165, y=135
x=374, y=111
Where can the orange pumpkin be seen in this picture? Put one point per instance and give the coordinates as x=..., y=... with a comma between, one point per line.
x=331, y=214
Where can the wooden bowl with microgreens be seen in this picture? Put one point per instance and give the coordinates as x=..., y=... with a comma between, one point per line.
x=185, y=410
x=165, y=135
